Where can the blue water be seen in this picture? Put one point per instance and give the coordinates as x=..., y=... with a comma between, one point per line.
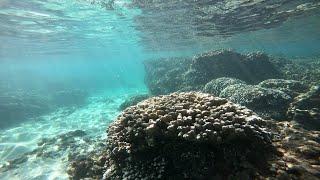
x=52, y=45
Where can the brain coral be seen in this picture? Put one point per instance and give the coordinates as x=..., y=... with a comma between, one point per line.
x=183, y=135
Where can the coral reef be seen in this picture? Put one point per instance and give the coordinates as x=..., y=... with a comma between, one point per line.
x=215, y=86
x=186, y=135
x=197, y=136
x=270, y=98
x=133, y=101
x=264, y=101
x=305, y=108
x=297, y=156
x=293, y=77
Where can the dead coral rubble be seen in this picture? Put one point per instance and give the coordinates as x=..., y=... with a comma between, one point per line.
x=187, y=135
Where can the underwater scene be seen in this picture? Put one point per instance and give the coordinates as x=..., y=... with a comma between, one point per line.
x=159, y=89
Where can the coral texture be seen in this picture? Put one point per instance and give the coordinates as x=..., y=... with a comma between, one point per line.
x=184, y=135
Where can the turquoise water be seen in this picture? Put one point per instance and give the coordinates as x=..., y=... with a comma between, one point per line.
x=99, y=47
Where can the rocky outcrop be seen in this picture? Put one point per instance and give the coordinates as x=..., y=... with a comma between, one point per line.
x=186, y=135
x=305, y=108
x=264, y=101
x=170, y=75
x=133, y=101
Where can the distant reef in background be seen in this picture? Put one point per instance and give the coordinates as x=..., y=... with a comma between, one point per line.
x=267, y=85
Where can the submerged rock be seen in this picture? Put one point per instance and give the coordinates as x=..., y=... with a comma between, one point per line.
x=133, y=101
x=186, y=136
x=215, y=86
x=305, y=108
x=264, y=101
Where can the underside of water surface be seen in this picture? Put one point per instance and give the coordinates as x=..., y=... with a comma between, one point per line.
x=155, y=89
